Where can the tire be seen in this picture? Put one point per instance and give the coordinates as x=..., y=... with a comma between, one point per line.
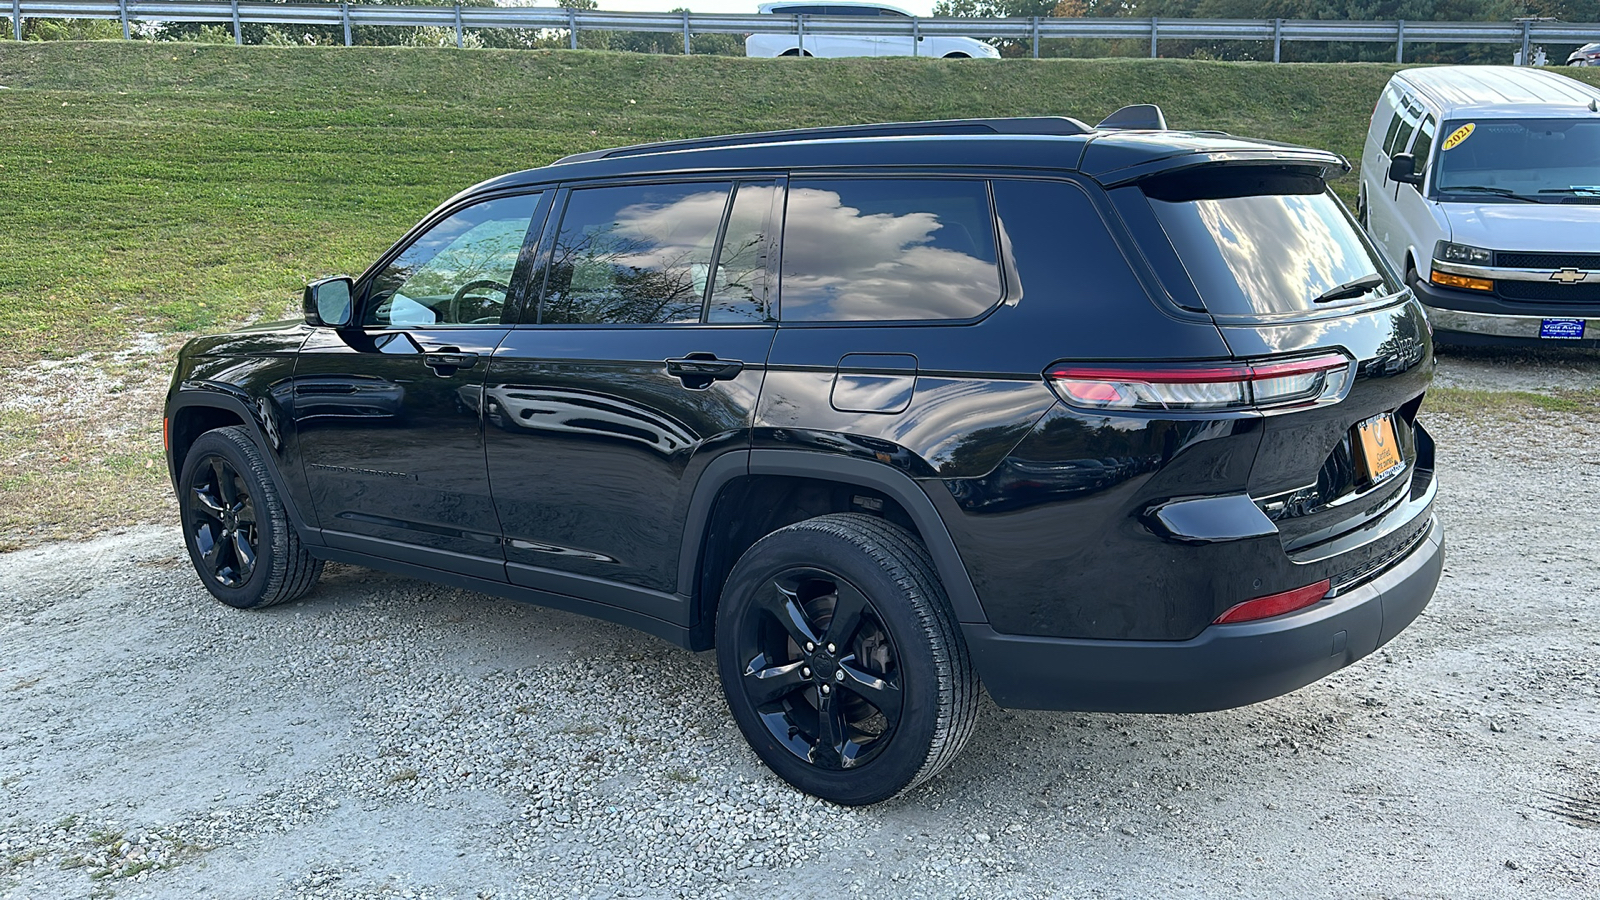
x=893, y=703
x=957, y=56
x=795, y=51
x=239, y=537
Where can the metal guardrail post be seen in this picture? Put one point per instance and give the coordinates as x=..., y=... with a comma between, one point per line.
x=1277, y=40
x=572, y=27
x=1035, y=37
x=916, y=37
x=1400, y=41
x=344, y=11
x=16, y=18
x=459, y=43
x=1525, y=48
x=238, y=31
x=800, y=24
x=1155, y=28
x=687, y=50
x=122, y=12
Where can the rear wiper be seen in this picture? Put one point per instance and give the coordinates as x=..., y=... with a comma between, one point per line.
x=1349, y=289
x=1484, y=189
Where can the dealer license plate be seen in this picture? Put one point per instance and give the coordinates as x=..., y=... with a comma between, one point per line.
x=1561, y=329
x=1380, y=449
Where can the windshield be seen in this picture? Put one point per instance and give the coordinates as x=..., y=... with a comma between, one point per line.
x=1516, y=160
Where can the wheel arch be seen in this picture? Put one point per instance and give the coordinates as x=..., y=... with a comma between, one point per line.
x=719, y=526
x=193, y=412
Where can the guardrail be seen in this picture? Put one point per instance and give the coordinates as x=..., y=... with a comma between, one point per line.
x=463, y=18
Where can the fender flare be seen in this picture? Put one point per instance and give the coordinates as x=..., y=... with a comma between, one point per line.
x=826, y=467
x=213, y=396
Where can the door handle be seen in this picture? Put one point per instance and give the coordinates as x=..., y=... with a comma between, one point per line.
x=698, y=370
x=447, y=360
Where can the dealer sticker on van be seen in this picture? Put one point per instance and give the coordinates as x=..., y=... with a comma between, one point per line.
x=1569, y=329
x=1459, y=135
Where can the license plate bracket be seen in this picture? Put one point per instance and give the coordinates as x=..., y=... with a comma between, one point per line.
x=1380, y=446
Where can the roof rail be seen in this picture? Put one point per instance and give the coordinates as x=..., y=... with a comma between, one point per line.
x=1139, y=117
x=1047, y=125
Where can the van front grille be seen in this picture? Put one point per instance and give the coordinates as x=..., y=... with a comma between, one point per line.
x=1549, y=291
x=1517, y=260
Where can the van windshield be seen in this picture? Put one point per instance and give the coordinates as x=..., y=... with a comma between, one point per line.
x=1517, y=160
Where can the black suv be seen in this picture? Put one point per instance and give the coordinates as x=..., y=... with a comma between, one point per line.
x=1108, y=418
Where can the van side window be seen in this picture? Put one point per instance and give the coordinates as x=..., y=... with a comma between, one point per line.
x=888, y=249
x=1394, y=128
x=1423, y=145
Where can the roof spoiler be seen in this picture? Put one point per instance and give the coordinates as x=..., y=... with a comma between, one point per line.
x=1139, y=117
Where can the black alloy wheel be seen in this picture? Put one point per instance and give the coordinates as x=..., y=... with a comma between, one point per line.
x=841, y=660
x=237, y=531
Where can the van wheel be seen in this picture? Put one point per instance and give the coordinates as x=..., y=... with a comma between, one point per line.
x=795, y=51
x=957, y=56
x=238, y=534
x=841, y=661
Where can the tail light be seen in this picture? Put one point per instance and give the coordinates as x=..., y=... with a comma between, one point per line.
x=1274, y=604
x=1203, y=386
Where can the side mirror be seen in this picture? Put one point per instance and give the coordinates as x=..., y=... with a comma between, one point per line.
x=327, y=302
x=1403, y=168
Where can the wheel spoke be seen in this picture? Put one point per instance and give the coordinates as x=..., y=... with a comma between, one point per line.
x=784, y=605
x=245, y=555
x=202, y=502
x=847, y=610
x=765, y=683
x=226, y=489
x=247, y=513
x=830, y=751
x=882, y=693
x=212, y=552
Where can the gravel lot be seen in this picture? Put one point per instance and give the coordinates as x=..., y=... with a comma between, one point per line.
x=387, y=738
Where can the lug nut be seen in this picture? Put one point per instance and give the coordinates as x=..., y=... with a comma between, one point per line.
x=839, y=675
x=826, y=689
x=832, y=649
x=805, y=671
x=810, y=646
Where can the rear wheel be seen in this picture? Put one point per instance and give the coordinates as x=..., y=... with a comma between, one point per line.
x=841, y=661
x=795, y=51
x=238, y=534
x=956, y=56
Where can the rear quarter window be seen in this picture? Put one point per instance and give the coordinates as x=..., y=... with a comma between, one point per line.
x=1265, y=242
x=888, y=249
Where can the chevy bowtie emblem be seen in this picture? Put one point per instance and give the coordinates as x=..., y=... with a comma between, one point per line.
x=1568, y=276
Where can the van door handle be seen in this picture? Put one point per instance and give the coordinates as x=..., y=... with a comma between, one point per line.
x=698, y=370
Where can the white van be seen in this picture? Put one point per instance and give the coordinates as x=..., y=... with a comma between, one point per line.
x=1482, y=185
x=804, y=43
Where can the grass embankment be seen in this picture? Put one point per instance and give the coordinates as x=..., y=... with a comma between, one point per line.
x=165, y=189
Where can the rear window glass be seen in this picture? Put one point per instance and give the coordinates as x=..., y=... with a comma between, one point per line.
x=1265, y=243
x=874, y=249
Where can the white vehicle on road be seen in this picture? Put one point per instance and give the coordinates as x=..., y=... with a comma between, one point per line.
x=1481, y=184
x=808, y=44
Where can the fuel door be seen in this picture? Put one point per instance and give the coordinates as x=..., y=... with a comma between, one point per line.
x=874, y=383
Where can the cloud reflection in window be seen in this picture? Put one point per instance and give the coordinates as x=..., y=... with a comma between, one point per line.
x=888, y=249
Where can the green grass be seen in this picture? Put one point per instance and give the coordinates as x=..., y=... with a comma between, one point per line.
x=1477, y=402
x=176, y=187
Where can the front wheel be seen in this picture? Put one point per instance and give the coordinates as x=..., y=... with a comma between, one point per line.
x=234, y=523
x=841, y=661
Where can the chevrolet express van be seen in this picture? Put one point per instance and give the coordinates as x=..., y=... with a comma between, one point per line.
x=1481, y=184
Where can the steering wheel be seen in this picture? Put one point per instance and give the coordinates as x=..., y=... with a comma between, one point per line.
x=469, y=287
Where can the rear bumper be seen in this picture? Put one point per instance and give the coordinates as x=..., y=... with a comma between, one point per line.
x=1224, y=667
x=1461, y=318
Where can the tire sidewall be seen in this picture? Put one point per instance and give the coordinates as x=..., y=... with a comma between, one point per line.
x=249, y=594
x=909, y=746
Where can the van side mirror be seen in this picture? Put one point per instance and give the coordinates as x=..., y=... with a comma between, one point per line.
x=327, y=302
x=1403, y=168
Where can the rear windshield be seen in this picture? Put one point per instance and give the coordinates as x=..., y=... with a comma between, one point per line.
x=1266, y=242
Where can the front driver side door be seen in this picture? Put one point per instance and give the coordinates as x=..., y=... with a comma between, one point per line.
x=389, y=411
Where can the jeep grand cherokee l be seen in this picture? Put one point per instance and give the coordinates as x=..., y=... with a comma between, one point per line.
x=1098, y=418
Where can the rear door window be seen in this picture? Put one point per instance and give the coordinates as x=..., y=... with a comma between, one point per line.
x=1423, y=147
x=888, y=249
x=1266, y=242
x=634, y=254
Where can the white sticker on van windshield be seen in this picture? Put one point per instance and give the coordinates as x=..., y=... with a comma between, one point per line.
x=1459, y=135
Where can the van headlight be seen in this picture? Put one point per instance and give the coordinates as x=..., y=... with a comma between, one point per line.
x=1445, y=251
